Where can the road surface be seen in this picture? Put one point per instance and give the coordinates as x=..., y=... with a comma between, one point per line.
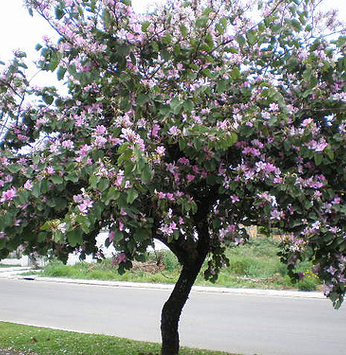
x=247, y=324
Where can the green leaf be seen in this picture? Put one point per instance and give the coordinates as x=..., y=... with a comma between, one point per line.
x=184, y=31
x=48, y=99
x=146, y=173
x=46, y=226
x=14, y=168
x=296, y=25
x=50, y=203
x=58, y=236
x=235, y=73
x=221, y=86
x=188, y=105
x=145, y=25
x=132, y=194
x=61, y=73
x=59, y=13
x=72, y=177
x=118, y=236
x=142, y=99
x=241, y=40
x=330, y=153
x=232, y=138
x=44, y=186
x=318, y=157
x=103, y=184
x=251, y=37
x=41, y=237
x=112, y=194
x=141, y=234
x=60, y=203
x=36, y=190
x=202, y=21
x=176, y=105
x=93, y=180
x=57, y=179
x=3, y=243
x=75, y=237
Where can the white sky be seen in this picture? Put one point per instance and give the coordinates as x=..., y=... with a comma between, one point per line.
x=18, y=30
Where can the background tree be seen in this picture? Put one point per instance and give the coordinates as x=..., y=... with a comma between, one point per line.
x=185, y=125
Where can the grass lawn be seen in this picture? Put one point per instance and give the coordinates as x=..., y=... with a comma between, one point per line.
x=44, y=341
x=253, y=265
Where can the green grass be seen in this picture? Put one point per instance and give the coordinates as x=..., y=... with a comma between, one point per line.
x=44, y=341
x=7, y=265
x=253, y=265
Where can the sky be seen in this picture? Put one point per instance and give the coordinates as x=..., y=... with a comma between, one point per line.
x=18, y=30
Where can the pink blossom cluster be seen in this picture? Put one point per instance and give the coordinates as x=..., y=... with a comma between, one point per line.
x=8, y=195
x=84, y=203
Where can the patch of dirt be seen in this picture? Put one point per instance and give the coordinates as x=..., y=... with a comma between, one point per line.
x=150, y=266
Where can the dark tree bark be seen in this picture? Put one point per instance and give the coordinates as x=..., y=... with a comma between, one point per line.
x=192, y=260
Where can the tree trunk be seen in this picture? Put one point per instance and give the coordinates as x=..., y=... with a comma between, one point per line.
x=172, y=308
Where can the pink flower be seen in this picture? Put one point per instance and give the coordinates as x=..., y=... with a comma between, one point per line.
x=160, y=150
x=8, y=195
x=85, y=206
x=173, y=131
x=100, y=130
x=155, y=130
x=170, y=196
x=231, y=229
x=336, y=201
x=119, y=178
x=68, y=144
x=28, y=185
x=266, y=115
x=100, y=141
x=88, y=203
x=50, y=170
x=173, y=226
x=278, y=215
x=184, y=161
x=84, y=149
x=4, y=161
x=121, y=258
x=331, y=270
x=190, y=177
x=161, y=195
x=273, y=107
x=78, y=198
x=234, y=198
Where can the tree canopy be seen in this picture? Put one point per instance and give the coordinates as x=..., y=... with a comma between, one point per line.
x=185, y=124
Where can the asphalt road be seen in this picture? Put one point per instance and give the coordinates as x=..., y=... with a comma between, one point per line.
x=247, y=324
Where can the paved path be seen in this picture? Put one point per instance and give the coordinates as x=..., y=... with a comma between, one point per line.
x=248, y=323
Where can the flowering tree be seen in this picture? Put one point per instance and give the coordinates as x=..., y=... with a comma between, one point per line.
x=185, y=125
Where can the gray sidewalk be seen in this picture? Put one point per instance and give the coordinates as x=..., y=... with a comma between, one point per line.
x=14, y=271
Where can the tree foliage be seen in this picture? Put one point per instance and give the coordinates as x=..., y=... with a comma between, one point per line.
x=186, y=125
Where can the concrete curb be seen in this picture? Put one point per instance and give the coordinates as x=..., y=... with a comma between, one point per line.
x=10, y=272
x=197, y=289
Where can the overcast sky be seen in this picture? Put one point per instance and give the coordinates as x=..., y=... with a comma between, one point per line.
x=18, y=30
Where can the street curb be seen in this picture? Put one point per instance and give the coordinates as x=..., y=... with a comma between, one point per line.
x=197, y=289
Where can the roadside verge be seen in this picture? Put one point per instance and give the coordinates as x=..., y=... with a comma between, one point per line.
x=15, y=273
